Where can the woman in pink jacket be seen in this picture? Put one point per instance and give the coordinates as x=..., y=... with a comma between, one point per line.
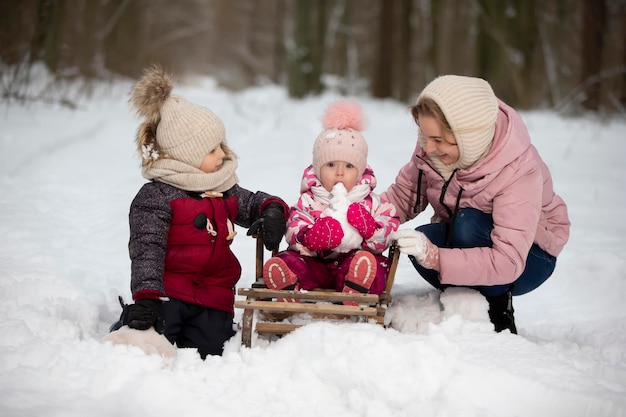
x=498, y=225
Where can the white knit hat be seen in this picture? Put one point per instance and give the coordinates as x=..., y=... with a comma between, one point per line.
x=341, y=139
x=188, y=132
x=471, y=108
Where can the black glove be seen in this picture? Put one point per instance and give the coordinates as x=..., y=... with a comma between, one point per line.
x=146, y=313
x=271, y=226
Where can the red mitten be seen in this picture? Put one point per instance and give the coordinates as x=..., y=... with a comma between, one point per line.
x=361, y=220
x=325, y=234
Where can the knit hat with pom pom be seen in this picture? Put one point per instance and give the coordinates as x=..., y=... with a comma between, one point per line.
x=341, y=139
x=177, y=135
x=183, y=131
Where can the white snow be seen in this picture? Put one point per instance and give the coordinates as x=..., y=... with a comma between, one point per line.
x=66, y=182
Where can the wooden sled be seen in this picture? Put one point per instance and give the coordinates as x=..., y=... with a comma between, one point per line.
x=264, y=315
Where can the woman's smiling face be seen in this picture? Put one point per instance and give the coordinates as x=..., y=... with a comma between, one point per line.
x=438, y=141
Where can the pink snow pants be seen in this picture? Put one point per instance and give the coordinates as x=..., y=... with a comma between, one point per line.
x=330, y=273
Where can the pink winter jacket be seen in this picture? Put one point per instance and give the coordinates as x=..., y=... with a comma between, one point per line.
x=309, y=208
x=512, y=183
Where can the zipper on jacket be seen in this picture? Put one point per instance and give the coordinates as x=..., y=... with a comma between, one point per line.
x=451, y=213
x=418, y=198
x=443, y=193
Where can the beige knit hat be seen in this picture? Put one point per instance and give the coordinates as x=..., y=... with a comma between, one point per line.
x=174, y=128
x=471, y=108
x=188, y=132
x=341, y=139
x=176, y=136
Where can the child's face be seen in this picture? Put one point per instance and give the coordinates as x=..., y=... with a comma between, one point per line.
x=213, y=161
x=338, y=171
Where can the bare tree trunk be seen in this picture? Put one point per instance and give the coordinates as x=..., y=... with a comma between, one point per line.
x=622, y=17
x=403, y=70
x=523, y=35
x=48, y=38
x=433, y=56
x=299, y=55
x=491, y=46
x=106, y=24
x=594, y=26
x=120, y=54
x=278, y=49
x=318, y=47
x=550, y=62
x=382, y=85
x=87, y=24
x=17, y=29
x=337, y=39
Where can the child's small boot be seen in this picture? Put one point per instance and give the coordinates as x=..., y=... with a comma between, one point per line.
x=278, y=276
x=501, y=312
x=361, y=274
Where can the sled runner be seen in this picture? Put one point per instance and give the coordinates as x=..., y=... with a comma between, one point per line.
x=263, y=314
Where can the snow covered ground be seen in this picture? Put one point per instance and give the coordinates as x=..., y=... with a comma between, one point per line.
x=66, y=182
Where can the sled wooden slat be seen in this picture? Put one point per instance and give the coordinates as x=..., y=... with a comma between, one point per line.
x=281, y=316
x=322, y=308
x=264, y=314
x=315, y=295
x=276, y=328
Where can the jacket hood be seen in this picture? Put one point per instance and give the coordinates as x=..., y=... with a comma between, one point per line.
x=511, y=140
x=310, y=180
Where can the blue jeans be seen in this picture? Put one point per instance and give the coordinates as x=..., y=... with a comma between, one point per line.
x=472, y=229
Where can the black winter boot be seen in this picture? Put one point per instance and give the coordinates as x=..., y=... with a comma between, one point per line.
x=501, y=312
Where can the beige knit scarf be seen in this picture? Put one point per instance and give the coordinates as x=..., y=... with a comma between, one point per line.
x=188, y=178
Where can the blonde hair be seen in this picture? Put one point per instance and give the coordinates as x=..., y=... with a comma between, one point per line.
x=229, y=154
x=428, y=107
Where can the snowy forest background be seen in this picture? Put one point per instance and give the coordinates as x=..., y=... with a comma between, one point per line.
x=269, y=68
x=565, y=55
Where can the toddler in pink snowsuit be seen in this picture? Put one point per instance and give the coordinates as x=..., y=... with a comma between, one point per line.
x=339, y=227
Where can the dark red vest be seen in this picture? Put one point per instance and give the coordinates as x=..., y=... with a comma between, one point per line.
x=200, y=268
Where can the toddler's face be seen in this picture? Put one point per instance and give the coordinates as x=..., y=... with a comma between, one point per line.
x=338, y=171
x=213, y=161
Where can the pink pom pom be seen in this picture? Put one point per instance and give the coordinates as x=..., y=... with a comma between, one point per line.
x=344, y=115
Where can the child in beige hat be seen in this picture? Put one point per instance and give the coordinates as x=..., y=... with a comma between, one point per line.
x=183, y=272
